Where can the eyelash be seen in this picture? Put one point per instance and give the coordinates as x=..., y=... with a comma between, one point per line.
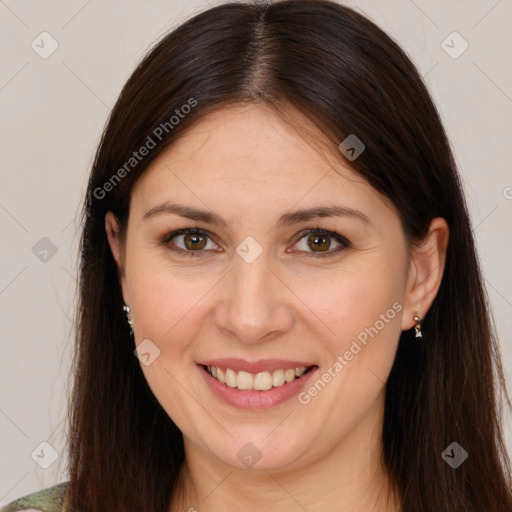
x=344, y=243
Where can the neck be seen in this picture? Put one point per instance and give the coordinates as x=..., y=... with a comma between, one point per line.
x=349, y=477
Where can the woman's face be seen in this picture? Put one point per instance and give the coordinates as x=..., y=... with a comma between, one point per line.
x=258, y=289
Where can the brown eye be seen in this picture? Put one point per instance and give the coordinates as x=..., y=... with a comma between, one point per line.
x=318, y=242
x=194, y=241
x=190, y=241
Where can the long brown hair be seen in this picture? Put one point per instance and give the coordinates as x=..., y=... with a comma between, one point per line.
x=348, y=77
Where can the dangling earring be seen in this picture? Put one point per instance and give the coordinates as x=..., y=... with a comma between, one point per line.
x=417, y=327
x=127, y=310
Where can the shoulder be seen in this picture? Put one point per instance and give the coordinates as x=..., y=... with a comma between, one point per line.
x=46, y=500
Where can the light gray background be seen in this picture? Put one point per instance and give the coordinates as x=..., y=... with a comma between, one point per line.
x=53, y=112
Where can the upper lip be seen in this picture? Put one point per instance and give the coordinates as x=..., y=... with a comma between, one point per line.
x=262, y=365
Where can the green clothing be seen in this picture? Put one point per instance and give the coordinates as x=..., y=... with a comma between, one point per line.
x=47, y=500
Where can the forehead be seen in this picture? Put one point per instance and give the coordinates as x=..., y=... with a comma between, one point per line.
x=248, y=159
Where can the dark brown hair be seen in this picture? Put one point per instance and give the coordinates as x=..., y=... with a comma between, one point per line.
x=348, y=77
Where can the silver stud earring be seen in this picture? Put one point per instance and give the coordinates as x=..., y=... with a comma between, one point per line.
x=417, y=327
x=127, y=310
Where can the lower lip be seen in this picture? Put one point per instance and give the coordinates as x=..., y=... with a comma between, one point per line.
x=256, y=400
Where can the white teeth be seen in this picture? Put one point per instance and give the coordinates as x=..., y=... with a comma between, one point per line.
x=244, y=380
x=278, y=378
x=230, y=378
x=289, y=375
x=262, y=381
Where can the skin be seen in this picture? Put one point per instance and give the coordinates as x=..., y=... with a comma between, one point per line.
x=250, y=167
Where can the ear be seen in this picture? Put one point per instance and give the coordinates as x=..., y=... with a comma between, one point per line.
x=116, y=246
x=426, y=269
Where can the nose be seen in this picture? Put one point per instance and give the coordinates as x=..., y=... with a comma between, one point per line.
x=255, y=305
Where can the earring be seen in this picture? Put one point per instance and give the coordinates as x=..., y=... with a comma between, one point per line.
x=127, y=310
x=417, y=327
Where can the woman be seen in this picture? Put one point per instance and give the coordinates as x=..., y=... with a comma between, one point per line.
x=275, y=208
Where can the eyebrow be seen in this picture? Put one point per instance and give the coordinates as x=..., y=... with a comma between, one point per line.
x=287, y=219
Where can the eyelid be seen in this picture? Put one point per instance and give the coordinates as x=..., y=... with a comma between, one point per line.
x=186, y=231
x=341, y=240
x=344, y=243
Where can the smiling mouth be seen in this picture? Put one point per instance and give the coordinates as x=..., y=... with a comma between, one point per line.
x=263, y=381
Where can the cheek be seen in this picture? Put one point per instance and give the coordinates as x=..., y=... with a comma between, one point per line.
x=340, y=303
x=158, y=292
x=167, y=310
x=356, y=302
x=360, y=313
